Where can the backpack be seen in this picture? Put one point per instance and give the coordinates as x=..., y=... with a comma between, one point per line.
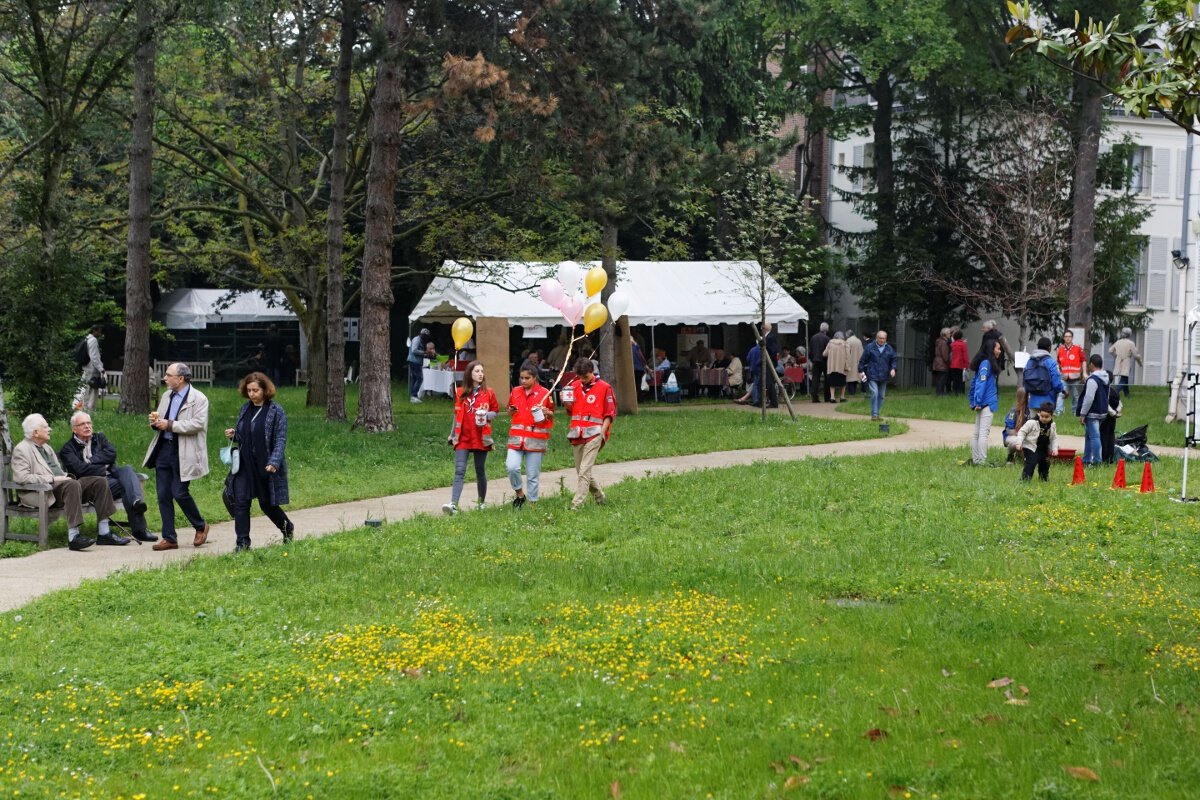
x=82, y=358
x=1037, y=376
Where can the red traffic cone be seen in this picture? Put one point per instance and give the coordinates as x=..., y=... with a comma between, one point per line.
x=1077, y=478
x=1119, y=477
x=1147, y=479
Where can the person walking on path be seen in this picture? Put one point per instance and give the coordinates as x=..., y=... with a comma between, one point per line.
x=854, y=351
x=837, y=366
x=1070, y=358
x=92, y=379
x=984, y=397
x=475, y=406
x=179, y=453
x=416, y=363
x=1092, y=409
x=816, y=357
x=1040, y=377
x=960, y=360
x=89, y=453
x=528, y=436
x=1124, y=353
x=941, y=363
x=593, y=408
x=877, y=366
x=261, y=434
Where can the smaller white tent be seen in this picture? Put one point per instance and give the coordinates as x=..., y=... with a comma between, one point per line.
x=661, y=293
x=195, y=309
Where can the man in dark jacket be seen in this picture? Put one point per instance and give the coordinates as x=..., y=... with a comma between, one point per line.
x=772, y=358
x=877, y=366
x=816, y=357
x=89, y=453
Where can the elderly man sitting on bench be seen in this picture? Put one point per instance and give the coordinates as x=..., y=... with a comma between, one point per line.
x=34, y=461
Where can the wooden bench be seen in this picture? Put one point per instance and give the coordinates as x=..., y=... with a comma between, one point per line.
x=202, y=371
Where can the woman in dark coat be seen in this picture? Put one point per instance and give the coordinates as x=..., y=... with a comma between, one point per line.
x=261, y=434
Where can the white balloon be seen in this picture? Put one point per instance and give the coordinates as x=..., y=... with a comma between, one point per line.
x=618, y=304
x=569, y=274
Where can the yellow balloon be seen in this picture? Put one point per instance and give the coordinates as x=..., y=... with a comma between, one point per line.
x=595, y=281
x=594, y=316
x=461, y=330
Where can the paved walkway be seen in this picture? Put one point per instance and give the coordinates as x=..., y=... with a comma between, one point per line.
x=24, y=579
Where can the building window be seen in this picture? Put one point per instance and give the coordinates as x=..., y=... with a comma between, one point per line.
x=1137, y=290
x=1141, y=167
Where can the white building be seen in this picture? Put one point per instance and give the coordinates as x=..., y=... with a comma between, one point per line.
x=1159, y=183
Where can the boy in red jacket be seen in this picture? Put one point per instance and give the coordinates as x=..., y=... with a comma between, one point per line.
x=593, y=407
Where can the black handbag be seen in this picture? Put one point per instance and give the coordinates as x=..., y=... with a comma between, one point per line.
x=97, y=382
x=227, y=495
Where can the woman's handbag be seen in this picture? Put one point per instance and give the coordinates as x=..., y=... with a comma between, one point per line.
x=231, y=457
x=227, y=495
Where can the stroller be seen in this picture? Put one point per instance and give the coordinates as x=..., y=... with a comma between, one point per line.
x=1131, y=446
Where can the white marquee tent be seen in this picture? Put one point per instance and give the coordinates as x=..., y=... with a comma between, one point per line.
x=661, y=293
x=195, y=309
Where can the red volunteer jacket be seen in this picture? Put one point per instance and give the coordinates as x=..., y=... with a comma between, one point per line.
x=467, y=435
x=526, y=433
x=592, y=405
x=1070, y=362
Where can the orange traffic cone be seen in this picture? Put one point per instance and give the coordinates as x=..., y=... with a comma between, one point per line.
x=1119, y=477
x=1147, y=479
x=1077, y=478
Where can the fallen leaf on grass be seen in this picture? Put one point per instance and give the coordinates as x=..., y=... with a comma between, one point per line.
x=676, y=747
x=897, y=791
x=891, y=712
x=1082, y=773
x=795, y=781
x=614, y=789
x=1024, y=689
x=875, y=734
x=778, y=767
x=1000, y=683
x=946, y=673
x=988, y=719
x=800, y=762
x=1016, y=701
x=1093, y=708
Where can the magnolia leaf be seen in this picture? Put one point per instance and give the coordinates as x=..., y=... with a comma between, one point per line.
x=614, y=789
x=1000, y=683
x=875, y=734
x=795, y=781
x=1082, y=773
x=800, y=762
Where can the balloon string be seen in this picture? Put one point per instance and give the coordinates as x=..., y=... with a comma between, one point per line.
x=566, y=362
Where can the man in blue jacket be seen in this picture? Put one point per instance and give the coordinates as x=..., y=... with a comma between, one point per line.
x=877, y=366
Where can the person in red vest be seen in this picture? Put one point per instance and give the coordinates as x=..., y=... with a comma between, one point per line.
x=593, y=407
x=532, y=419
x=475, y=407
x=1071, y=360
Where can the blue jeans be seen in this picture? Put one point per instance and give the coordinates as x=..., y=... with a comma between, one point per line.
x=414, y=379
x=1123, y=384
x=533, y=470
x=1091, y=441
x=878, y=390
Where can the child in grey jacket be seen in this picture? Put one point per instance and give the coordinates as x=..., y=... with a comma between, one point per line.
x=1038, y=437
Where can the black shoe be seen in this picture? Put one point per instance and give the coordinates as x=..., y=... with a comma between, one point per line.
x=241, y=548
x=145, y=536
x=113, y=539
x=518, y=501
x=81, y=543
x=138, y=506
x=289, y=531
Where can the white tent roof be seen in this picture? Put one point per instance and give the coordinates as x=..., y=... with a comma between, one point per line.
x=661, y=293
x=194, y=309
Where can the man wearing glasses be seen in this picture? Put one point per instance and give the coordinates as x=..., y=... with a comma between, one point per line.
x=89, y=453
x=179, y=453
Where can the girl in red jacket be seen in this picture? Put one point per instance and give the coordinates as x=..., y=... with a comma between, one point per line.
x=474, y=409
x=532, y=419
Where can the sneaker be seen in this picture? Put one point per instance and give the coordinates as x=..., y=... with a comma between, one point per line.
x=414, y=399
x=518, y=501
x=449, y=509
x=600, y=499
x=481, y=505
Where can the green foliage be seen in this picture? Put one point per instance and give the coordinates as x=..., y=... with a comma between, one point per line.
x=42, y=318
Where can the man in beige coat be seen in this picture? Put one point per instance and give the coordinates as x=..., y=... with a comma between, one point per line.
x=34, y=461
x=1125, y=352
x=179, y=453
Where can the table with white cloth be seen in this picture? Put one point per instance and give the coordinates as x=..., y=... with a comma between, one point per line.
x=439, y=381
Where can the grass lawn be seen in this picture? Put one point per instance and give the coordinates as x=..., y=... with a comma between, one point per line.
x=1145, y=406
x=877, y=627
x=328, y=462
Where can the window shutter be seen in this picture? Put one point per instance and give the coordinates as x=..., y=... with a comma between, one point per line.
x=1181, y=173
x=858, y=162
x=1162, y=172
x=1156, y=284
x=1152, y=358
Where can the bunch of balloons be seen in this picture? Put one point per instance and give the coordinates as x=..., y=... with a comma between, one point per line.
x=559, y=293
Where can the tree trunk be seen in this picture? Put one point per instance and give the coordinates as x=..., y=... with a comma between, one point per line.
x=375, y=387
x=335, y=403
x=135, y=386
x=1080, y=287
x=318, y=344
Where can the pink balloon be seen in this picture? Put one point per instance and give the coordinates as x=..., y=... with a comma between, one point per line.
x=551, y=292
x=572, y=310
